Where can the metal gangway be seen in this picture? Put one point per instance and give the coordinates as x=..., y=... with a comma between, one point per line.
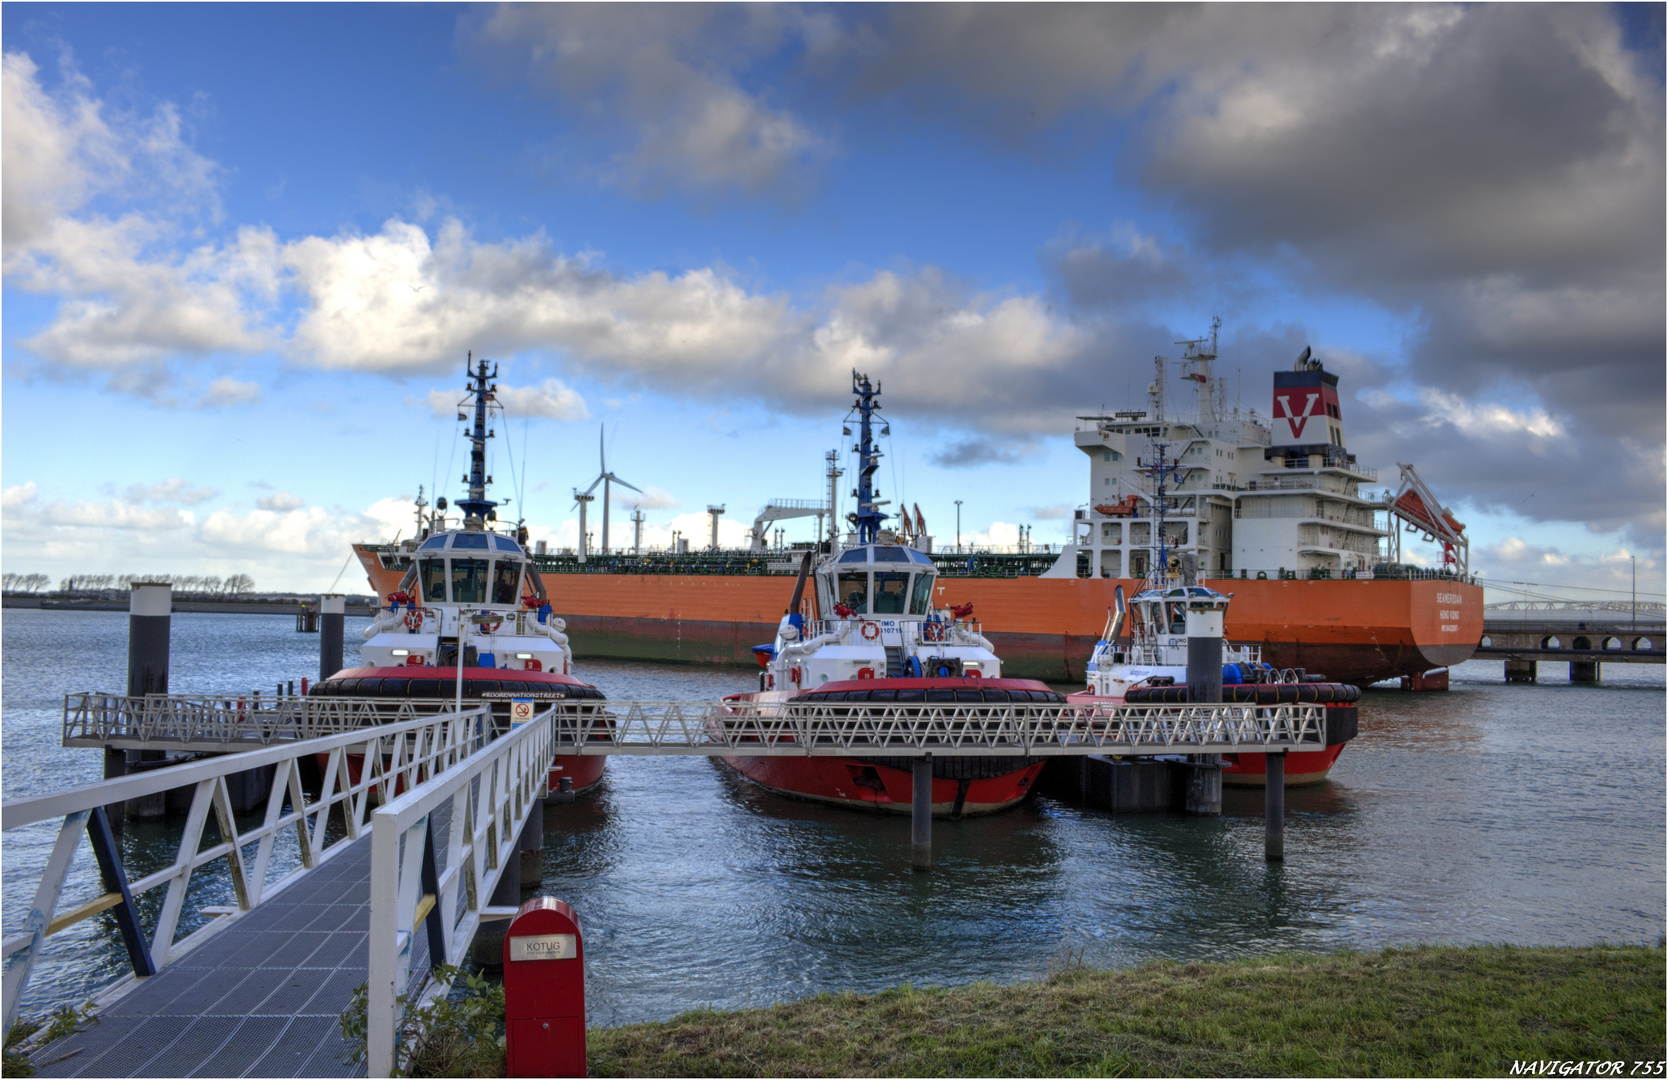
x=427, y=812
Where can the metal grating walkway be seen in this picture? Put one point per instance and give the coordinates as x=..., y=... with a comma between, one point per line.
x=261, y=998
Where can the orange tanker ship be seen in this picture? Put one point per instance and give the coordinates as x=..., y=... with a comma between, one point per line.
x=1270, y=512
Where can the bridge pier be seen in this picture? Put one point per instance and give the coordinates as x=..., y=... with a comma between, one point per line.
x=1584, y=671
x=1520, y=671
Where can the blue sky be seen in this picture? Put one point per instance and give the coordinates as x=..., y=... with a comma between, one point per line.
x=246, y=249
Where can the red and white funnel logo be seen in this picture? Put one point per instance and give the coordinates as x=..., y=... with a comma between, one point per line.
x=1295, y=406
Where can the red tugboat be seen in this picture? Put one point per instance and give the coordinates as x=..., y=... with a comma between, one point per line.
x=472, y=590
x=878, y=638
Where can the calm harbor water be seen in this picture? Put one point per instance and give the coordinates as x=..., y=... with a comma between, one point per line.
x=1491, y=813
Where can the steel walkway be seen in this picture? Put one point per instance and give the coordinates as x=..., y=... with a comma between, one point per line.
x=261, y=998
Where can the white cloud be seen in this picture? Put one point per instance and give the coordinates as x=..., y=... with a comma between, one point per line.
x=279, y=501
x=133, y=289
x=552, y=399
x=650, y=498
x=227, y=392
x=170, y=491
x=1486, y=420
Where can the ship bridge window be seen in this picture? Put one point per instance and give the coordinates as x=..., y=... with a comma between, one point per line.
x=432, y=573
x=855, y=555
x=891, y=554
x=854, y=592
x=921, y=598
x=433, y=542
x=891, y=590
x=920, y=557
x=504, y=543
x=505, y=576
x=1178, y=618
x=469, y=540
x=469, y=581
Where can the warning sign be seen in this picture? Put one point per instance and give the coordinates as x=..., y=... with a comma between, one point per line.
x=521, y=710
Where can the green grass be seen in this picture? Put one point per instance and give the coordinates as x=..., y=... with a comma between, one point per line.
x=1424, y=1011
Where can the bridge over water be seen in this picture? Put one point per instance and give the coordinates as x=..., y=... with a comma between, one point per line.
x=1586, y=634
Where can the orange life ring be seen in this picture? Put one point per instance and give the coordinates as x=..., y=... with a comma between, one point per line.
x=414, y=619
x=870, y=630
x=932, y=631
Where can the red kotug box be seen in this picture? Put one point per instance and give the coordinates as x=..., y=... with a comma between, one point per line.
x=544, y=991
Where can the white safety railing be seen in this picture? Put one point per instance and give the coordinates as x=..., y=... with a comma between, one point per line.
x=490, y=796
x=219, y=723
x=392, y=758
x=949, y=728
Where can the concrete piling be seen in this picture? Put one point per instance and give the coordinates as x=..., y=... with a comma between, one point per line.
x=1584, y=671
x=332, y=616
x=1520, y=671
x=1274, y=809
x=920, y=813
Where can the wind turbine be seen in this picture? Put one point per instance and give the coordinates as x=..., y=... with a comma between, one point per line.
x=606, y=479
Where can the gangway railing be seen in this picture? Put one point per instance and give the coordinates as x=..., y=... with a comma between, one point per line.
x=490, y=795
x=222, y=723
x=944, y=729
x=395, y=757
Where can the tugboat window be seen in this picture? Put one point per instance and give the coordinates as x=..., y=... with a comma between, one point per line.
x=505, y=574
x=433, y=542
x=855, y=555
x=890, y=592
x=922, y=597
x=891, y=554
x=469, y=581
x=433, y=573
x=469, y=540
x=854, y=592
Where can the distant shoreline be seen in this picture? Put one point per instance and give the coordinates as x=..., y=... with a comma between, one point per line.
x=264, y=606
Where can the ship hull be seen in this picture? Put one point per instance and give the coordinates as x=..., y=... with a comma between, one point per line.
x=864, y=784
x=1302, y=767
x=1352, y=631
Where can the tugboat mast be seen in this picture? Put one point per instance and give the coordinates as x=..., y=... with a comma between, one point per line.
x=868, y=516
x=478, y=509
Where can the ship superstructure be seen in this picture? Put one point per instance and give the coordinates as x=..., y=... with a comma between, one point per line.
x=1242, y=497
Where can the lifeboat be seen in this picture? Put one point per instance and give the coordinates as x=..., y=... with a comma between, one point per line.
x=1141, y=658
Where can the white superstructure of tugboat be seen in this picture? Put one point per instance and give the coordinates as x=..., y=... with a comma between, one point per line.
x=472, y=604
x=880, y=638
x=1142, y=658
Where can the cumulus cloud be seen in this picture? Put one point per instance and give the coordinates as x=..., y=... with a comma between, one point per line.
x=650, y=71
x=132, y=288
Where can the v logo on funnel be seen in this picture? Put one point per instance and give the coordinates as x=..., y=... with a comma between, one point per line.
x=1297, y=422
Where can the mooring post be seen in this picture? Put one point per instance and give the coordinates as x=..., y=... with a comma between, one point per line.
x=1204, y=687
x=1274, y=808
x=532, y=847
x=150, y=608
x=920, y=817
x=332, y=614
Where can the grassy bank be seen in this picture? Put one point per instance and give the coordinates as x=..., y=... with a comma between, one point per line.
x=1418, y=1012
